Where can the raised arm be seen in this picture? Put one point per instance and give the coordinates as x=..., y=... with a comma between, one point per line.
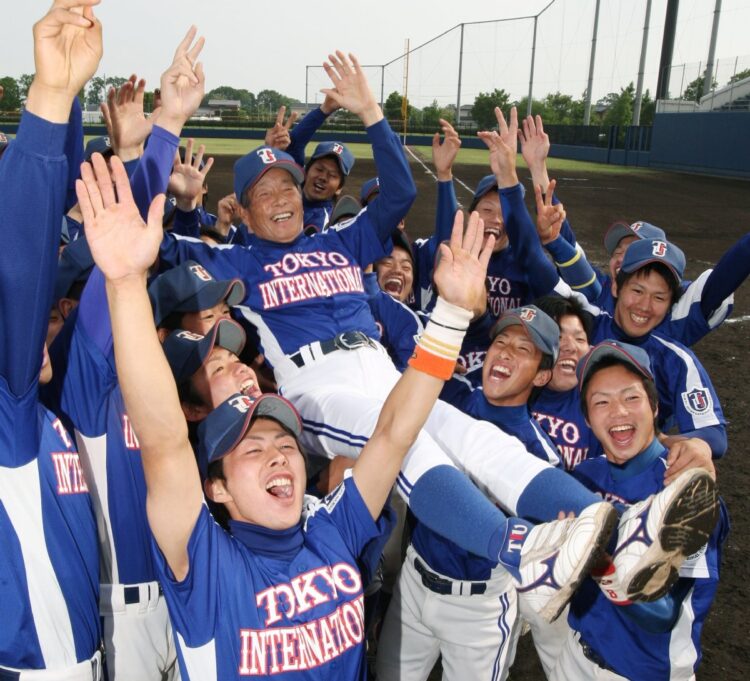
x=460, y=278
x=443, y=157
x=124, y=247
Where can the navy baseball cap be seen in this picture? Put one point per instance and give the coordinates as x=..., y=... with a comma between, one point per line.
x=631, y=355
x=75, y=265
x=486, y=184
x=223, y=429
x=542, y=329
x=646, y=251
x=346, y=207
x=400, y=239
x=251, y=167
x=368, y=191
x=642, y=230
x=98, y=145
x=186, y=351
x=336, y=150
x=191, y=288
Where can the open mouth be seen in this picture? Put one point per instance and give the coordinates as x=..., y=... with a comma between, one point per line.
x=640, y=320
x=281, y=487
x=280, y=217
x=622, y=435
x=500, y=372
x=393, y=285
x=250, y=388
x=320, y=186
x=567, y=366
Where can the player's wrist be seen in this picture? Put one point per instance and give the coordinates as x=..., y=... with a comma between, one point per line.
x=51, y=104
x=371, y=114
x=444, y=175
x=440, y=344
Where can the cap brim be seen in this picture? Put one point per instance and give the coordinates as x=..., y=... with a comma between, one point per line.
x=292, y=168
x=642, y=263
x=511, y=319
x=212, y=293
x=615, y=234
x=604, y=350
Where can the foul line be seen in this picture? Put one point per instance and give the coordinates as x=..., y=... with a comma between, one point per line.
x=434, y=177
x=736, y=320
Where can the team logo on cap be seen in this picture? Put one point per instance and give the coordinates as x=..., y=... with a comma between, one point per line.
x=189, y=335
x=659, y=248
x=200, y=272
x=636, y=226
x=338, y=149
x=267, y=155
x=3, y=137
x=107, y=142
x=241, y=403
x=527, y=314
x=697, y=401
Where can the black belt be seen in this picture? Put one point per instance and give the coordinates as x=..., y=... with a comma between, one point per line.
x=592, y=656
x=441, y=585
x=349, y=340
x=132, y=595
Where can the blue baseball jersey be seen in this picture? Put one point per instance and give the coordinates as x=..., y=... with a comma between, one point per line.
x=312, y=288
x=560, y=416
x=49, y=582
x=291, y=606
x=441, y=554
x=87, y=391
x=616, y=637
x=687, y=398
x=399, y=326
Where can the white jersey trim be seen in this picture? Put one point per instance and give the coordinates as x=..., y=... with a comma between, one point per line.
x=682, y=652
x=200, y=662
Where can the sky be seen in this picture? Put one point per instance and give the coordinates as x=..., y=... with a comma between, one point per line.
x=268, y=45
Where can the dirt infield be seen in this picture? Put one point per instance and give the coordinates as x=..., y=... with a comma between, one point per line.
x=703, y=216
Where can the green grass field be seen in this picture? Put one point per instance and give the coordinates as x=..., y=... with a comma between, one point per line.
x=237, y=147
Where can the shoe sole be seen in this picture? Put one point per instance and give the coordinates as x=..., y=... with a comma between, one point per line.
x=688, y=523
x=555, y=606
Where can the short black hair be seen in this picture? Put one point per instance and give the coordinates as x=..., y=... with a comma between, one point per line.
x=648, y=384
x=545, y=364
x=662, y=270
x=558, y=307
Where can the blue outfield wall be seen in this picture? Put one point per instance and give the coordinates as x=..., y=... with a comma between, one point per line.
x=714, y=142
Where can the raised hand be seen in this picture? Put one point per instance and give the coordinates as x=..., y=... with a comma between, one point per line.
x=187, y=178
x=350, y=88
x=535, y=149
x=278, y=136
x=227, y=211
x=462, y=267
x=549, y=218
x=67, y=51
x=444, y=153
x=182, y=84
x=126, y=123
x=123, y=245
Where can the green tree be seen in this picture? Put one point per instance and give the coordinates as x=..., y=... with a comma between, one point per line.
x=562, y=109
x=24, y=83
x=694, y=90
x=432, y=114
x=483, y=111
x=648, y=109
x=95, y=91
x=11, y=100
x=245, y=97
x=741, y=75
x=392, y=106
x=619, y=106
x=268, y=102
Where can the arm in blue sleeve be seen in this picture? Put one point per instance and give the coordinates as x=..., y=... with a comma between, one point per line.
x=151, y=177
x=397, y=188
x=541, y=273
x=33, y=181
x=566, y=231
x=74, y=152
x=715, y=436
x=93, y=314
x=731, y=270
x=303, y=132
x=660, y=616
x=187, y=223
x=447, y=205
x=130, y=166
x=574, y=268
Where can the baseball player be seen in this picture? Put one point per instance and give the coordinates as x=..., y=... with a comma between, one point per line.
x=647, y=285
x=557, y=407
x=306, y=298
x=49, y=627
x=449, y=602
x=649, y=641
x=137, y=631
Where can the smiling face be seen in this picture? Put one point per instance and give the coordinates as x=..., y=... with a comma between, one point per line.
x=615, y=260
x=573, y=345
x=491, y=213
x=273, y=209
x=396, y=274
x=511, y=368
x=642, y=303
x=221, y=376
x=619, y=412
x=323, y=179
x=264, y=477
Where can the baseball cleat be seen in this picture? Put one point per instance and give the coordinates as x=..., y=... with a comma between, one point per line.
x=554, y=557
x=656, y=535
